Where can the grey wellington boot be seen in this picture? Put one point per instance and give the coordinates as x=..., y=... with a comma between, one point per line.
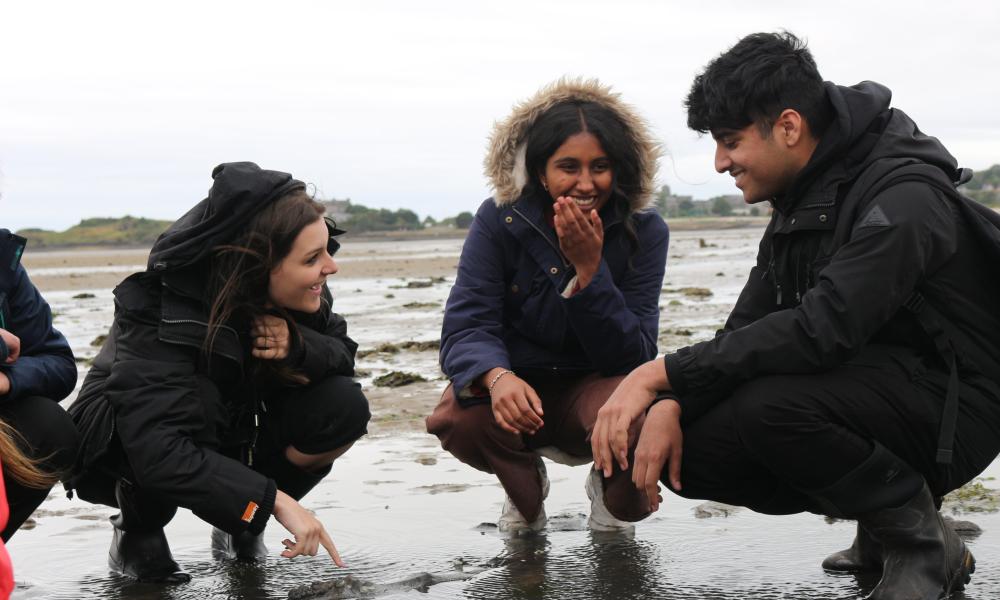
x=924, y=558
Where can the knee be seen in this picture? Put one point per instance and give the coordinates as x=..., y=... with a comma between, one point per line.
x=462, y=429
x=765, y=410
x=332, y=413
x=47, y=430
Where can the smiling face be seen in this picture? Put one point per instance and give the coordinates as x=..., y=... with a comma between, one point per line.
x=581, y=170
x=297, y=282
x=765, y=167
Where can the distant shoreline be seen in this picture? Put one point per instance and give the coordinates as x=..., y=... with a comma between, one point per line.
x=433, y=233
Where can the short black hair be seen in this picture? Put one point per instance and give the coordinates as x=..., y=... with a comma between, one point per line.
x=752, y=82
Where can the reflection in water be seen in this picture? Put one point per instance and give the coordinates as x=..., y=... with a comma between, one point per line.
x=605, y=565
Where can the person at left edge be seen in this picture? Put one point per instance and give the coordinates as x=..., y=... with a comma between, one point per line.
x=225, y=383
x=37, y=370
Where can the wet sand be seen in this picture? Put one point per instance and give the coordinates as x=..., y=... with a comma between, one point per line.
x=413, y=522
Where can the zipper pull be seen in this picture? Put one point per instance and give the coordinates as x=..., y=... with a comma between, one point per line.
x=778, y=286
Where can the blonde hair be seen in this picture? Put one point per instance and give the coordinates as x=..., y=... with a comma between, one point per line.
x=23, y=469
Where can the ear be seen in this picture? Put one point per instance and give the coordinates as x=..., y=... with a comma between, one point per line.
x=545, y=184
x=790, y=128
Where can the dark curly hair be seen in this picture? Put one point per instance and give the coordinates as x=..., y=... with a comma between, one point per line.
x=752, y=82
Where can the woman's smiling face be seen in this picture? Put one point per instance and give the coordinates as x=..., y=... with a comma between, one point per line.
x=297, y=282
x=581, y=170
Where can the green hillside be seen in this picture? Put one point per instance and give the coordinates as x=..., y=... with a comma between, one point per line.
x=125, y=231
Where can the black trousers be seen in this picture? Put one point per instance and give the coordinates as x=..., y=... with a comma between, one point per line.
x=314, y=419
x=778, y=441
x=47, y=432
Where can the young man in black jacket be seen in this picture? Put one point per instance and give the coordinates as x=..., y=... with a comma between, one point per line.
x=857, y=374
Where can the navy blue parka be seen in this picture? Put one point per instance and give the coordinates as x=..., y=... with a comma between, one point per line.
x=45, y=366
x=507, y=308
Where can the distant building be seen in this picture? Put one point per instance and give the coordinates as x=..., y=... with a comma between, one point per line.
x=339, y=210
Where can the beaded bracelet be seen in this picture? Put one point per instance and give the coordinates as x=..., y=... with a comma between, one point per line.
x=496, y=378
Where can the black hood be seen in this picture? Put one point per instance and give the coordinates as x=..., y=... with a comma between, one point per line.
x=239, y=191
x=865, y=130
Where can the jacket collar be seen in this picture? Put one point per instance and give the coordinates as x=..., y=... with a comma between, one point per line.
x=184, y=314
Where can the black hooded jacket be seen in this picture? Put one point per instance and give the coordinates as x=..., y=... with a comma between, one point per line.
x=151, y=392
x=835, y=267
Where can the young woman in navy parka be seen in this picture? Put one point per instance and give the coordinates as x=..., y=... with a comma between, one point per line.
x=556, y=296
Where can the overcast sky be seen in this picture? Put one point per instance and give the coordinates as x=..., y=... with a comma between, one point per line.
x=114, y=108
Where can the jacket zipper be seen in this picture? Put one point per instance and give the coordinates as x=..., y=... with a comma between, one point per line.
x=205, y=325
x=545, y=237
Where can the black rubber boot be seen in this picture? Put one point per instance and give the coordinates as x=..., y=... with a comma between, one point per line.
x=924, y=558
x=139, y=548
x=244, y=546
x=864, y=556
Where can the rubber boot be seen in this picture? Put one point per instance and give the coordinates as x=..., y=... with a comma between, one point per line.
x=924, y=558
x=139, y=548
x=244, y=546
x=864, y=556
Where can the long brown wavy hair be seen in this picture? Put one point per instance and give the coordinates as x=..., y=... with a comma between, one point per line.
x=240, y=272
x=23, y=469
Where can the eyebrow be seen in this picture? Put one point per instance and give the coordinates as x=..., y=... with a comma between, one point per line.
x=721, y=133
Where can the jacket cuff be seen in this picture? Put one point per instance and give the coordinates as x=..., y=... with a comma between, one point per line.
x=13, y=391
x=264, y=510
x=675, y=373
x=596, y=285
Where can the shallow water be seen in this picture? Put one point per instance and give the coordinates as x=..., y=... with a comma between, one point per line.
x=398, y=507
x=413, y=522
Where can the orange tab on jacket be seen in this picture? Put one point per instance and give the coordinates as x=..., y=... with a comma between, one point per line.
x=250, y=511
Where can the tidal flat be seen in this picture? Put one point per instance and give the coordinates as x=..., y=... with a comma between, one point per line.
x=413, y=522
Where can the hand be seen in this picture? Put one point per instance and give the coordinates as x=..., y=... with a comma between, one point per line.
x=270, y=337
x=4, y=384
x=581, y=238
x=516, y=406
x=609, y=439
x=13, y=345
x=307, y=530
x=661, y=440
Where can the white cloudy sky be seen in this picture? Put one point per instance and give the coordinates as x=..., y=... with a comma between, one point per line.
x=113, y=108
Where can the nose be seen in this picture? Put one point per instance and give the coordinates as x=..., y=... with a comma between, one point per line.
x=722, y=160
x=331, y=267
x=585, y=182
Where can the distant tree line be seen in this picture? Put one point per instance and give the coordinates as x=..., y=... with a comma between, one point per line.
x=985, y=186
x=671, y=206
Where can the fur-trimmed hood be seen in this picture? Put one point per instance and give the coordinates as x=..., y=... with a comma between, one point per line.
x=504, y=162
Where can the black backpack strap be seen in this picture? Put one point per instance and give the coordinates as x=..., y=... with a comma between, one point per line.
x=930, y=320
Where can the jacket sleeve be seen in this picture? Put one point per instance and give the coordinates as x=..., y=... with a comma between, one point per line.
x=45, y=366
x=865, y=283
x=165, y=414
x=617, y=323
x=322, y=345
x=472, y=331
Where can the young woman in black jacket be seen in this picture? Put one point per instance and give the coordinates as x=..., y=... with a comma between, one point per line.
x=225, y=383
